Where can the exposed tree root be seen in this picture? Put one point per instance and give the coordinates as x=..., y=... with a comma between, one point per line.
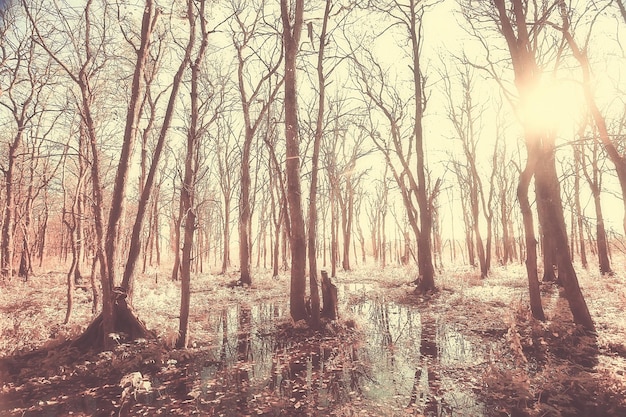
x=126, y=325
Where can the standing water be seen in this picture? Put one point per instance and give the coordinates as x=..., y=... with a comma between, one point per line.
x=403, y=363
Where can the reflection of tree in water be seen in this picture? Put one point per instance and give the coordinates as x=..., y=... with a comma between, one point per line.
x=433, y=403
x=255, y=369
x=316, y=374
x=244, y=356
x=224, y=325
x=226, y=381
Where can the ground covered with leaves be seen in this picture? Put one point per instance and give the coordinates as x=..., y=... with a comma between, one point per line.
x=470, y=349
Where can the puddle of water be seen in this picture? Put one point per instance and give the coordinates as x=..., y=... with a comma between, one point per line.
x=405, y=362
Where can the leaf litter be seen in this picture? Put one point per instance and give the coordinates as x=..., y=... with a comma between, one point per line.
x=470, y=349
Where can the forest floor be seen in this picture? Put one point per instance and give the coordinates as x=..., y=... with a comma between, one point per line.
x=470, y=349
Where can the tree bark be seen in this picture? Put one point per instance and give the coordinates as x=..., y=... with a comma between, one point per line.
x=291, y=40
x=188, y=190
x=312, y=246
x=118, y=197
x=547, y=186
x=135, y=246
x=529, y=234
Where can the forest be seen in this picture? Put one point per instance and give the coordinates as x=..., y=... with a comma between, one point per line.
x=337, y=207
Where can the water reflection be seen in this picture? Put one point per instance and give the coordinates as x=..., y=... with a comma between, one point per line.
x=400, y=365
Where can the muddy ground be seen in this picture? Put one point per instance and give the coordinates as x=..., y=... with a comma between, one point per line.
x=471, y=349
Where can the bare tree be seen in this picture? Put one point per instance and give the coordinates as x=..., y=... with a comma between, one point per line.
x=594, y=180
x=465, y=116
x=90, y=56
x=277, y=191
x=257, y=92
x=319, y=126
x=23, y=97
x=192, y=162
x=292, y=20
x=540, y=144
x=406, y=142
x=578, y=210
x=226, y=161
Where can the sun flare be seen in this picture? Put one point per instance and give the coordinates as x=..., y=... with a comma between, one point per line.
x=554, y=105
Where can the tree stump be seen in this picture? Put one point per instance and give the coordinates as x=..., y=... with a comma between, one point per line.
x=329, y=298
x=126, y=324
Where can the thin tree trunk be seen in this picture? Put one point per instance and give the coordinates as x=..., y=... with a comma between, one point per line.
x=187, y=194
x=226, y=237
x=531, y=242
x=312, y=245
x=603, y=251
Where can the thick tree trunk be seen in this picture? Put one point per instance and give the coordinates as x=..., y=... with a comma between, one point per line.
x=548, y=190
x=244, y=211
x=548, y=243
x=125, y=323
x=424, y=250
x=480, y=247
x=185, y=272
x=297, y=239
x=176, y=243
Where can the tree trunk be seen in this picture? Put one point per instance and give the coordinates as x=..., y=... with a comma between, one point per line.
x=541, y=148
x=8, y=221
x=118, y=198
x=333, y=236
x=424, y=253
x=124, y=322
x=291, y=40
x=548, y=244
x=329, y=297
x=548, y=190
x=579, y=212
x=226, y=236
x=244, y=211
x=601, y=239
x=312, y=245
x=529, y=234
x=178, y=221
x=594, y=179
x=188, y=190
x=144, y=199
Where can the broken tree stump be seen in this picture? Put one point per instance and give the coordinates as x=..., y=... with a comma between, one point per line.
x=329, y=297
